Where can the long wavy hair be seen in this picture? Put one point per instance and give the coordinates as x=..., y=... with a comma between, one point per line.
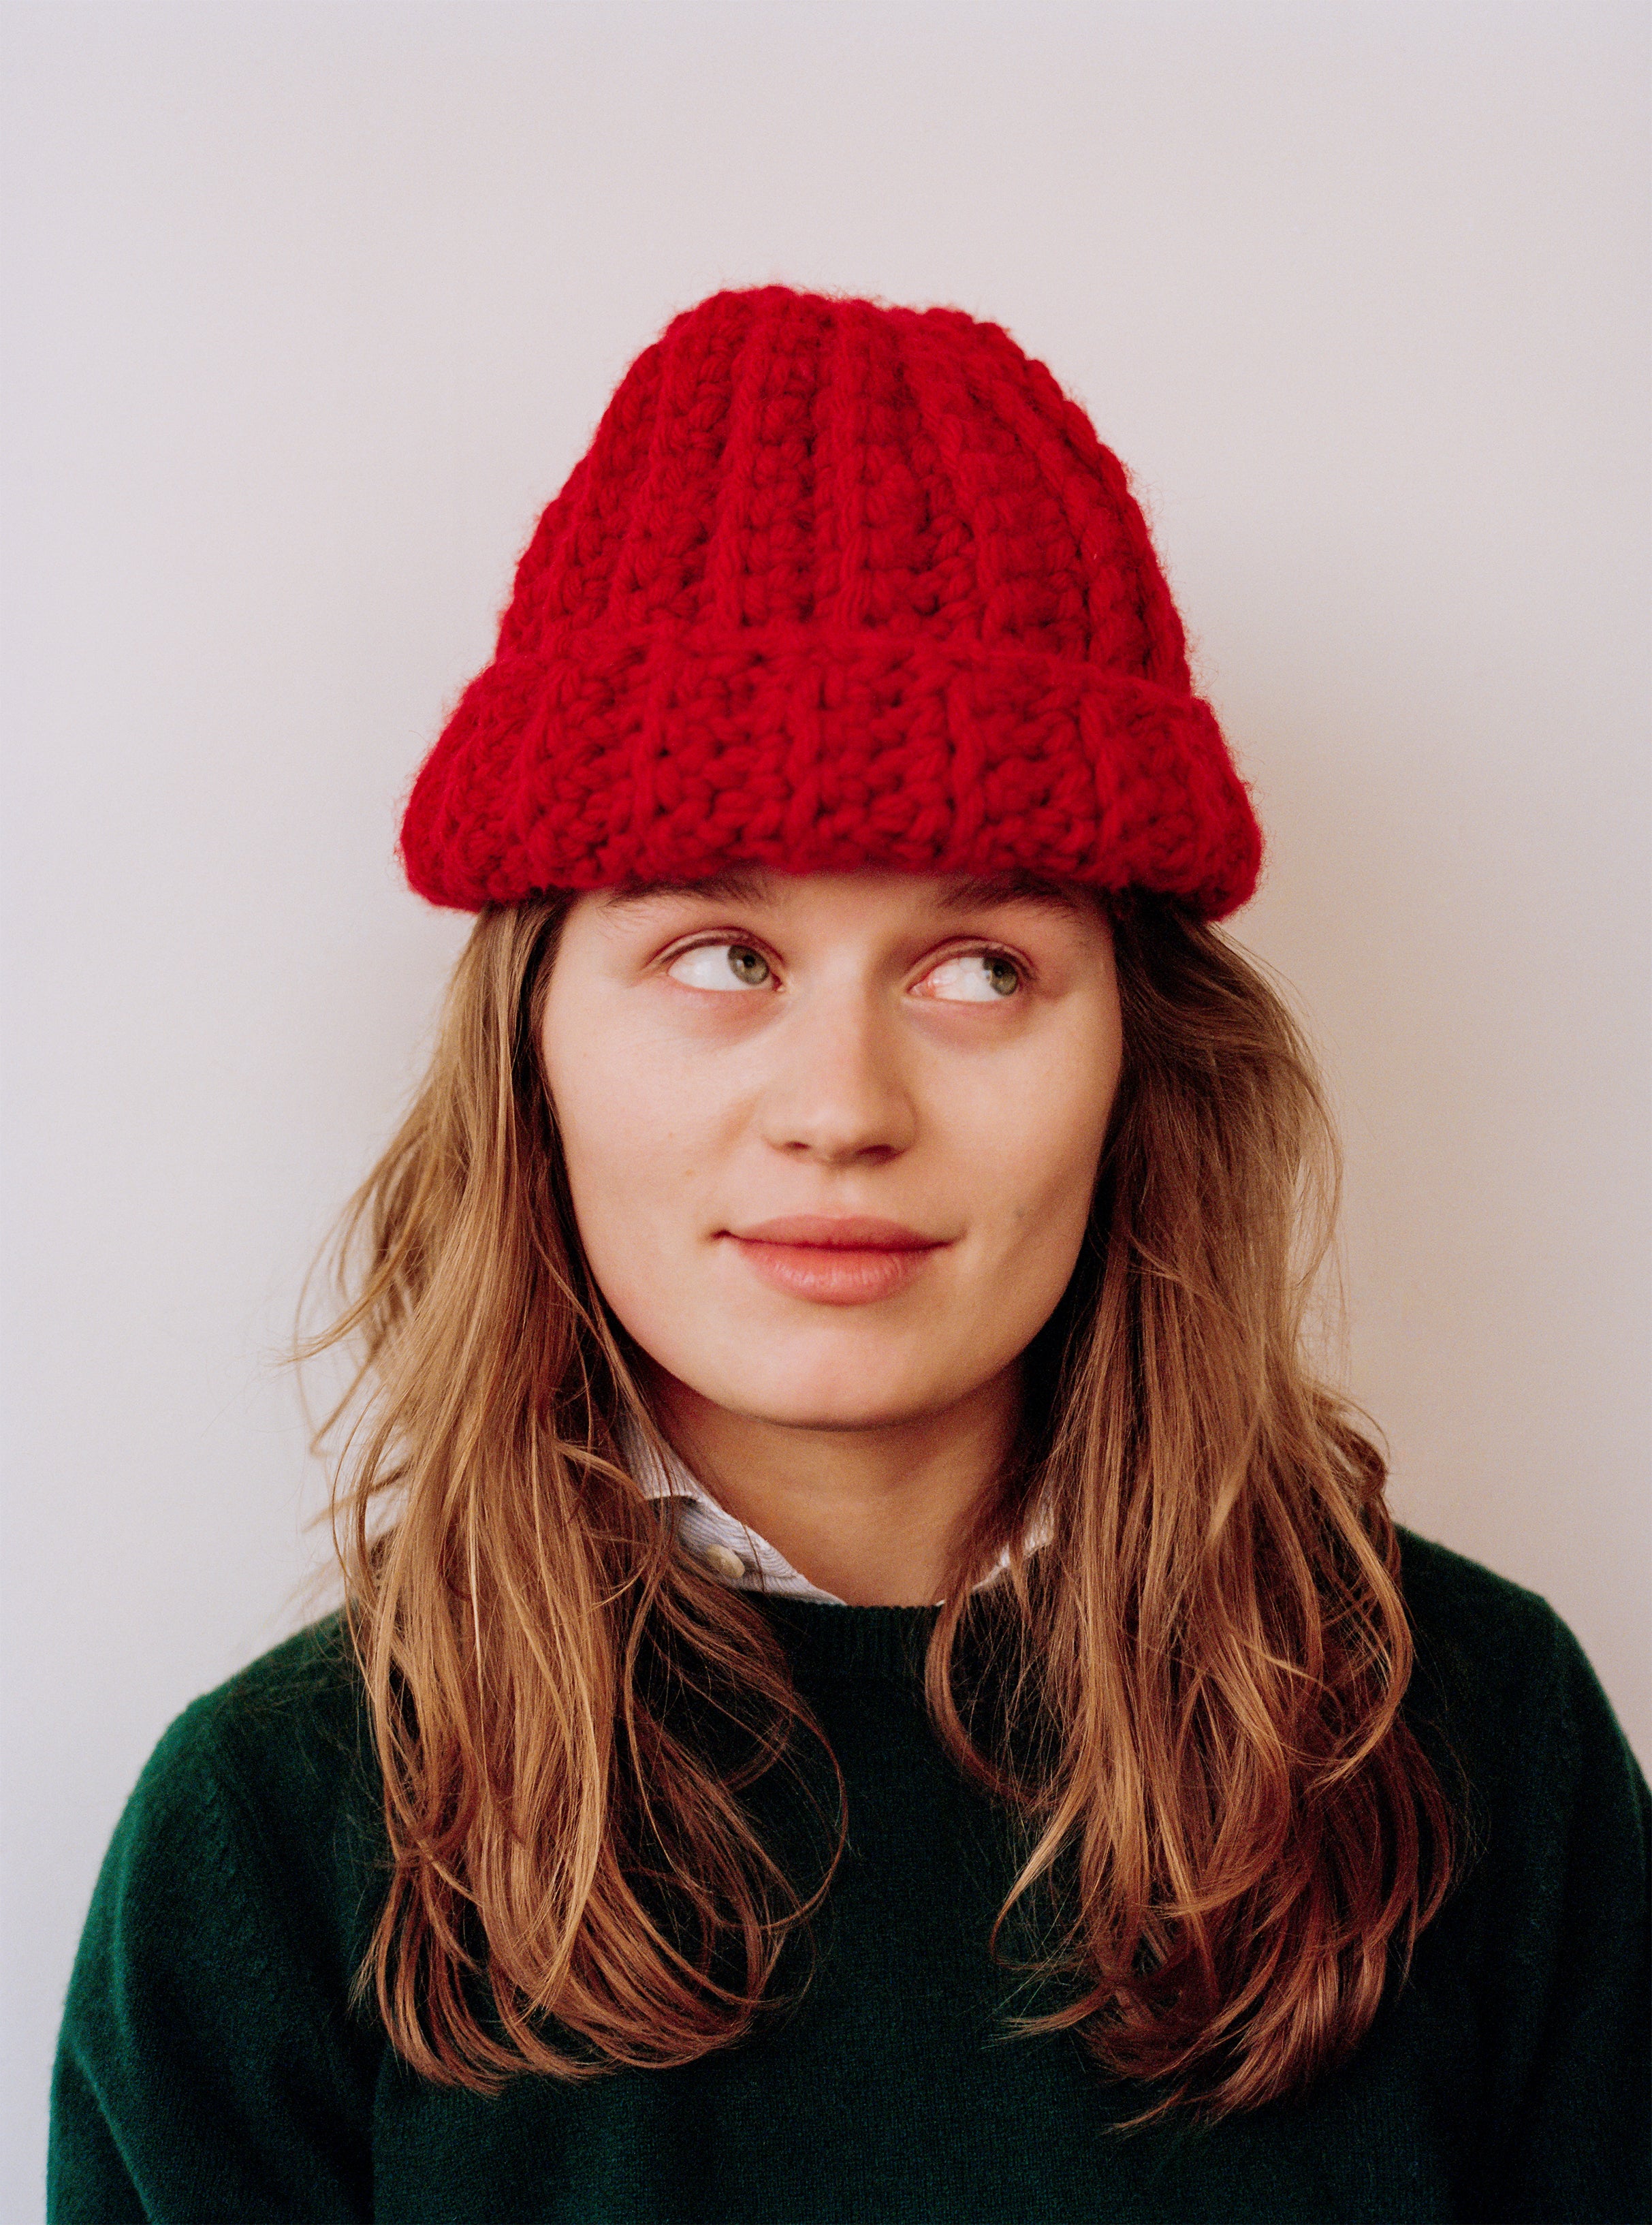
x=1186, y=1703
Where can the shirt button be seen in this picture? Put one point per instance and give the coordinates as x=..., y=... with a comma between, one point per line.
x=722, y=1563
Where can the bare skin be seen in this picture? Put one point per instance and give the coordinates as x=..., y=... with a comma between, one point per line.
x=832, y=1140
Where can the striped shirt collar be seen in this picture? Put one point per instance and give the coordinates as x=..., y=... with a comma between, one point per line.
x=733, y=1551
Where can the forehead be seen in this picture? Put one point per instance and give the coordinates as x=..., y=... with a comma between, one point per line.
x=944, y=895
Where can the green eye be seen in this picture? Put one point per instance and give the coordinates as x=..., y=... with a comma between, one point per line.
x=722, y=965
x=975, y=977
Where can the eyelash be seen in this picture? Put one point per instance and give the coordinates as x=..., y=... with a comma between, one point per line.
x=726, y=939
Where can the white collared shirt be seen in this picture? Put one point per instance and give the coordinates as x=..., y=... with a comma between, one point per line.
x=728, y=1547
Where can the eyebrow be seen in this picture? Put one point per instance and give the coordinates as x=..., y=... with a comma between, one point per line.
x=974, y=893
x=980, y=892
x=732, y=887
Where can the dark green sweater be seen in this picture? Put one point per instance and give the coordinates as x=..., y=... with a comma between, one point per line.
x=208, y=2069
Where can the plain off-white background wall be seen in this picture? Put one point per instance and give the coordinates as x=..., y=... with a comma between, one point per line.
x=311, y=308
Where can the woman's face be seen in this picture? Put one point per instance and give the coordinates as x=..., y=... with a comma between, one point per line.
x=831, y=1138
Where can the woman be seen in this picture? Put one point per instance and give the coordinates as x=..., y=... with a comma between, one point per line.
x=873, y=1682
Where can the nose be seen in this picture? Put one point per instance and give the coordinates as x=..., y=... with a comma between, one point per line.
x=838, y=1094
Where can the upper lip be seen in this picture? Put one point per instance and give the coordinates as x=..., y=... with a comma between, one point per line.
x=837, y=1232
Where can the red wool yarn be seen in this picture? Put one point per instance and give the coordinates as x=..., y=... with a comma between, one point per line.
x=837, y=586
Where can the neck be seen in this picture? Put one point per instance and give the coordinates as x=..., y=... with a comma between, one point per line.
x=869, y=1515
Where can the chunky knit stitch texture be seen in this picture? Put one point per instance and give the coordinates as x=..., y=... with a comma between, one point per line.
x=837, y=586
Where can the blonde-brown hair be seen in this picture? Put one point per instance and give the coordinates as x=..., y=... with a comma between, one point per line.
x=1230, y=1837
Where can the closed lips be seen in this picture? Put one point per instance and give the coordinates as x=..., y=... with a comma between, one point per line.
x=836, y=1234
x=835, y=1261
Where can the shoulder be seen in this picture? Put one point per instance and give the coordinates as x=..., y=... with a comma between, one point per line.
x=1504, y=1695
x=291, y=1726
x=1545, y=1935
x=1484, y=1642
x=299, y=1703
x=1475, y=1631
x=208, y=2031
x=263, y=1790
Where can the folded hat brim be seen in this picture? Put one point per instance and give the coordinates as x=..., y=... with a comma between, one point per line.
x=635, y=758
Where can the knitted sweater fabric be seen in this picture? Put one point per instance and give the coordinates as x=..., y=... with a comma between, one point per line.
x=210, y=2067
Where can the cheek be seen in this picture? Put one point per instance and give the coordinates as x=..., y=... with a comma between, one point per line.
x=617, y=1141
x=1038, y=1149
x=639, y=1147
x=1049, y=1126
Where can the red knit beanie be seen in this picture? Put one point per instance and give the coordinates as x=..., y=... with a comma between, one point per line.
x=836, y=586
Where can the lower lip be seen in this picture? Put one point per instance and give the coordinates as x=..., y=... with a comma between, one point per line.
x=833, y=1275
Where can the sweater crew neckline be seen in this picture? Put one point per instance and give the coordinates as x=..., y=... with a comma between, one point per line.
x=888, y=1641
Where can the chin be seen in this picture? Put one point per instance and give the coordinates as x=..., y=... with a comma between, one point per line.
x=840, y=1415
x=840, y=1395
x=837, y=1373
